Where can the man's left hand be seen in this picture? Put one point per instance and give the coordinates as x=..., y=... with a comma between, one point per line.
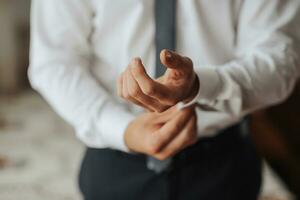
x=179, y=83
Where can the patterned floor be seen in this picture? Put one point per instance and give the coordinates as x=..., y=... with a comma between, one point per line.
x=39, y=151
x=40, y=156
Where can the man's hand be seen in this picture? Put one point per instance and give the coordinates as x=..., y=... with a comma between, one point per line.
x=179, y=83
x=162, y=135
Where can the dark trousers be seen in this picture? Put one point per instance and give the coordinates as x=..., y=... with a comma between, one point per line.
x=225, y=167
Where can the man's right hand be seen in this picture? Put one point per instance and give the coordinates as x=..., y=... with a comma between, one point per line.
x=162, y=135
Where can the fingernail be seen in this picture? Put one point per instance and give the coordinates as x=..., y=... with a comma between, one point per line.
x=168, y=55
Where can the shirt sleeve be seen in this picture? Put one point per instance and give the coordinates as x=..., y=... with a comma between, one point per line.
x=266, y=65
x=59, y=69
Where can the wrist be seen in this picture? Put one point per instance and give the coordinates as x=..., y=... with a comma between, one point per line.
x=193, y=91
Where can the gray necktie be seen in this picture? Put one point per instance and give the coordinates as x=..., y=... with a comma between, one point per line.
x=165, y=38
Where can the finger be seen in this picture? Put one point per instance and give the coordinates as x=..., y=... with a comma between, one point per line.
x=167, y=115
x=170, y=129
x=120, y=86
x=174, y=110
x=126, y=92
x=135, y=92
x=148, y=86
x=159, y=119
x=185, y=138
x=173, y=60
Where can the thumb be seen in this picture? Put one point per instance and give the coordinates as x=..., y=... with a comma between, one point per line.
x=174, y=61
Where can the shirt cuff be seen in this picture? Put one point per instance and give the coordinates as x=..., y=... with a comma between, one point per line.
x=209, y=83
x=112, y=123
x=182, y=105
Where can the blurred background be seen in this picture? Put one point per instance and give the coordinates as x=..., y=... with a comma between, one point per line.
x=40, y=156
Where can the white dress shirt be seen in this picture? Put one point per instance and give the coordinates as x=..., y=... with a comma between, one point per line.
x=245, y=53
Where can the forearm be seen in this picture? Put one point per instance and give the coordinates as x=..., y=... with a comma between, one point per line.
x=59, y=69
x=80, y=100
x=266, y=65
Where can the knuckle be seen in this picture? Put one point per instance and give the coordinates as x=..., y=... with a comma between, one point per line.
x=160, y=109
x=154, y=147
x=152, y=150
x=189, y=137
x=150, y=90
x=177, y=126
x=161, y=156
x=137, y=72
x=126, y=95
x=133, y=92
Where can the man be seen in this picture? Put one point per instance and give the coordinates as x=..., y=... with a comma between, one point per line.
x=180, y=134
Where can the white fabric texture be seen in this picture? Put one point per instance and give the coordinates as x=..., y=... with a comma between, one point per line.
x=245, y=53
